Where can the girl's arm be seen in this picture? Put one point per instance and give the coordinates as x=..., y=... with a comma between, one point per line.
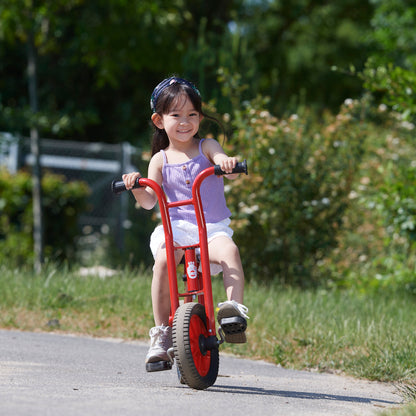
x=145, y=196
x=215, y=153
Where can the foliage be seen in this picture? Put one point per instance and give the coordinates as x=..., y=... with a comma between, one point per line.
x=295, y=43
x=377, y=250
x=291, y=207
x=398, y=199
x=62, y=204
x=395, y=202
x=394, y=30
x=376, y=247
x=99, y=61
x=390, y=69
x=389, y=76
x=395, y=85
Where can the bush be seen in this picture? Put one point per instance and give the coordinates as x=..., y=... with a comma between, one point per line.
x=393, y=200
x=62, y=204
x=376, y=246
x=290, y=209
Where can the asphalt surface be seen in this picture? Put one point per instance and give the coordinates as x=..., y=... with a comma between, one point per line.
x=50, y=374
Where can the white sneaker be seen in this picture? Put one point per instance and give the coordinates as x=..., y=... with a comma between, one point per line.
x=234, y=308
x=160, y=342
x=234, y=334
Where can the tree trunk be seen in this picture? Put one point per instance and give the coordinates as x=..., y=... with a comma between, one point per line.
x=35, y=150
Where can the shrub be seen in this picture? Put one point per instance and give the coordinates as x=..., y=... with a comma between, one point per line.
x=291, y=207
x=394, y=201
x=62, y=204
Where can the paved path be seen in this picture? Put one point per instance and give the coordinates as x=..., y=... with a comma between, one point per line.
x=48, y=374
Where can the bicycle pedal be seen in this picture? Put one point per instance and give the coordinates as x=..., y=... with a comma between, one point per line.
x=158, y=366
x=171, y=355
x=233, y=325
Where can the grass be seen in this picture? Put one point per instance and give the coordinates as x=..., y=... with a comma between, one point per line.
x=368, y=336
x=409, y=410
x=407, y=389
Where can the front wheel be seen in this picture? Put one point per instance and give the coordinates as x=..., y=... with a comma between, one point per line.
x=196, y=355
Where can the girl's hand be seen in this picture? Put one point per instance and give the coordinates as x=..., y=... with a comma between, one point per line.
x=129, y=179
x=228, y=164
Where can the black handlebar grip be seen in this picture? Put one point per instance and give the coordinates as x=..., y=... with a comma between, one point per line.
x=118, y=187
x=240, y=167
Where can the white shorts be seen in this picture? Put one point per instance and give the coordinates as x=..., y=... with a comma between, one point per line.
x=186, y=234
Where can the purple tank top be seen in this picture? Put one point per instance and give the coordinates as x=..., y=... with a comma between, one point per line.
x=177, y=184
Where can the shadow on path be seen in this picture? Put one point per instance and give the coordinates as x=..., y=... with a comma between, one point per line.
x=295, y=394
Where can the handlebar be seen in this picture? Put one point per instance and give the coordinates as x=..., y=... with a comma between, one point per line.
x=240, y=167
x=118, y=187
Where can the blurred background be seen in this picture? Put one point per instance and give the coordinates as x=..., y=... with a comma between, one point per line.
x=318, y=96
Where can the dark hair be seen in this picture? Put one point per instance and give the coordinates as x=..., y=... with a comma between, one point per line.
x=165, y=101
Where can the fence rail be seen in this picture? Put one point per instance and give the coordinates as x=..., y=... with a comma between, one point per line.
x=95, y=163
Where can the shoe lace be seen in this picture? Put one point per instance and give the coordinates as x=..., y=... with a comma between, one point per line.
x=160, y=336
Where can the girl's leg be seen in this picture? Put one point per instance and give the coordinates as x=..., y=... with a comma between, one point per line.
x=161, y=334
x=160, y=287
x=224, y=251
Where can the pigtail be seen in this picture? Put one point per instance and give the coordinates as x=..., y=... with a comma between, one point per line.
x=160, y=140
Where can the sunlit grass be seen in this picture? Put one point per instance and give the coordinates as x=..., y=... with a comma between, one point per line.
x=364, y=335
x=118, y=306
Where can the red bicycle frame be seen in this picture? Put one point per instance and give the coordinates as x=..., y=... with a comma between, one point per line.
x=195, y=288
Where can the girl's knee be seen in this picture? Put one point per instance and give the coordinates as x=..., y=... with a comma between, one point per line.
x=227, y=251
x=160, y=265
x=161, y=260
x=232, y=249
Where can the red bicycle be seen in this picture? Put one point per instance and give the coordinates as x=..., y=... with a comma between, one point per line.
x=195, y=343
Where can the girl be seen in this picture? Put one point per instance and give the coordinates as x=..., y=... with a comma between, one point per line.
x=178, y=155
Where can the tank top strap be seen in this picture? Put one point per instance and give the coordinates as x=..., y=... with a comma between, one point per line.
x=200, y=147
x=165, y=160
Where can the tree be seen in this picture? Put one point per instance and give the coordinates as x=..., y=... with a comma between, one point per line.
x=295, y=45
x=102, y=60
x=390, y=69
x=24, y=17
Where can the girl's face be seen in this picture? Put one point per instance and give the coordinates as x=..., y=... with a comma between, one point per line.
x=181, y=123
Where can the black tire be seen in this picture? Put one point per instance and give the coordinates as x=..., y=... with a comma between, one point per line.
x=197, y=362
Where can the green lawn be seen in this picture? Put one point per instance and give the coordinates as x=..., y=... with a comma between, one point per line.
x=370, y=336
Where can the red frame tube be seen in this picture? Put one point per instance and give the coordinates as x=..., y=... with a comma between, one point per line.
x=196, y=201
x=203, y=245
